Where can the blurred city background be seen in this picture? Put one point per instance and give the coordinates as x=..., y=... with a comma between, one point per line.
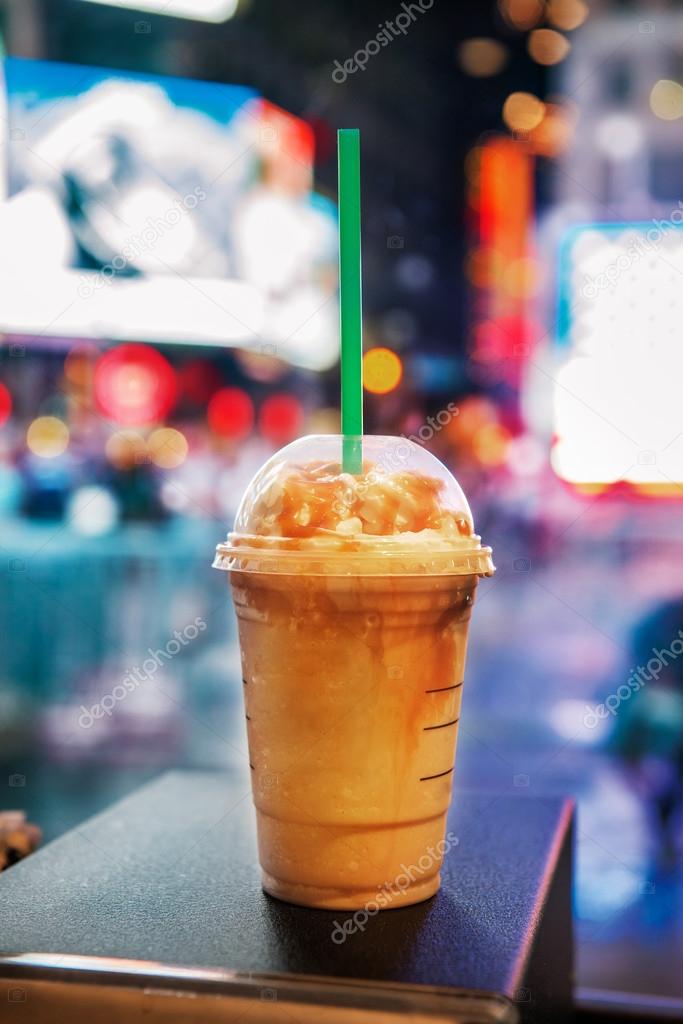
x=168, y=310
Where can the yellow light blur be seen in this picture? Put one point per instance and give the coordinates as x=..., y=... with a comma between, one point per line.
x=567, y=14
x=522, y=112
x=167, y=447
x=666, y=100
x=47, y=437
x=547, y=46
x=591, y=490
x=555, y=132
x=521, y=277
x=481, y=57
x=490, y=444
x=126, y=448
x=522, y=14
x=663, y=490
x=382, y=370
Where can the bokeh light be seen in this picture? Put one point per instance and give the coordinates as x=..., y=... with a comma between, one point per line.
x=482, y=57
x=501, y=343
x=126, y=448
x=382, y=370
x=521, y=277
x=47, y=437
x=483, y=266
x=567, y=14
x=92, y=511
x=521, y=14
x=555, y=132
x=199, y=378
x=490, y=444
x=547, y=46
x=526, y=456
x=231, y=413
x=280, y=418
x=476, y=434
x=5, y=404
x=167, y=448
x=620, y=136
x=666, y=100
x=79, y=364
x=522, y=111
x=134, y=385
x=415, y=272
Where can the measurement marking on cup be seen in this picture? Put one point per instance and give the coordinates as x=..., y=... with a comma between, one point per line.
x=248, y=718
x=244, y=682
x=445, y=689
x=440, y=775
x=442, y=725
x=252, y=767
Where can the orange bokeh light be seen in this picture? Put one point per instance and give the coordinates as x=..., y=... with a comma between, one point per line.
x=522, y=111
x=126, y=449
x=547, y=46
x=521, y=277
x=521, y=14
x=167, y=448
x=555, y=132
x=79, y=365
x=483, y=267
x=481, y=57
x=490, y=444
x=567, y=14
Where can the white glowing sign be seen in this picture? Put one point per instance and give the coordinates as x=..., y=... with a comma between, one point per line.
x=618, y=414
x=199, y=10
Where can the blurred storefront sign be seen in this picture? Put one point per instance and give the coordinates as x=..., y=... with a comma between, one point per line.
x=163, y=210
x=617, y=402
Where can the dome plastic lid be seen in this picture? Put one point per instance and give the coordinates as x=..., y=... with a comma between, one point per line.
x=405, y=514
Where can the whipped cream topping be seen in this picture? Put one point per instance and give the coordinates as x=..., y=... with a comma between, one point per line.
x=318, y=502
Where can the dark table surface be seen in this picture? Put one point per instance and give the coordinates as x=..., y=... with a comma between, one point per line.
x=170, y=874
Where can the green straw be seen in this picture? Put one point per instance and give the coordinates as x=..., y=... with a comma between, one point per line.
x=351, y=329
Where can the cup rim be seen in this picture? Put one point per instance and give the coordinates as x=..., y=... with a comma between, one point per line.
x=367, y=556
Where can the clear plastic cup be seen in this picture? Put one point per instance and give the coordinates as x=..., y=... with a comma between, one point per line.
x=353, y=597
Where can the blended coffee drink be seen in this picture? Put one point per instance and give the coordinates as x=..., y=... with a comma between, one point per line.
x=353, y=598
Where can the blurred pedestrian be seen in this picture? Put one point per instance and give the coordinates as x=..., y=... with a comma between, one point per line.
x=648, y=730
